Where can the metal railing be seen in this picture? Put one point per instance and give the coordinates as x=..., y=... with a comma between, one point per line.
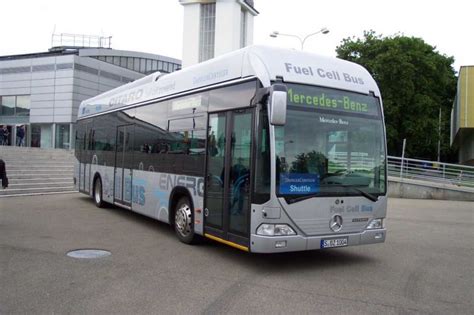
x=444, y=173
x=79, y=40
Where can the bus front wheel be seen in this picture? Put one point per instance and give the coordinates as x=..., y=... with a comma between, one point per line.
x=99, y=202
x=183, y=221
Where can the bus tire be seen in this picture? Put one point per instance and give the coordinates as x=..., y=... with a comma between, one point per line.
x=184, y=221
x=97, y=193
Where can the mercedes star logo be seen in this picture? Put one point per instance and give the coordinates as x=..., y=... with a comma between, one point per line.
x=336, y=223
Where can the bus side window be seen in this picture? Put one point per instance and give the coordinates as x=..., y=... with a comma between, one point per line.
x=233, y=96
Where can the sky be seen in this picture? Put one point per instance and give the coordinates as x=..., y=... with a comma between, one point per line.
x=156, y=26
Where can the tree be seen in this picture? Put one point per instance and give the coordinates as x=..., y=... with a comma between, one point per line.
x=416, y=82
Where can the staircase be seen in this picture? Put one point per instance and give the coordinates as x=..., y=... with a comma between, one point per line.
x=36, y=171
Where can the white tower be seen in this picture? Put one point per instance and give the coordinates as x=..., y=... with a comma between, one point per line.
x=215, y=27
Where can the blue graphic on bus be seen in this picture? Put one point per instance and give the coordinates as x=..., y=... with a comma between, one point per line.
x=138, y=191
x=162, y=198
x=299, y=183
x=127, y=192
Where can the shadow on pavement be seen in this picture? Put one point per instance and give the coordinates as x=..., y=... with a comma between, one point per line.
x=269, y=263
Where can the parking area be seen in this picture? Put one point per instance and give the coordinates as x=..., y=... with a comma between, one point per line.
x=425, y=266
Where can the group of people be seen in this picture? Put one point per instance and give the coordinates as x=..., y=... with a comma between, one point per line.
x=5, y=136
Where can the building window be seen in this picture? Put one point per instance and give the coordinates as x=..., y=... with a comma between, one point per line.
x=62, y=136
x=8, y=106
x=207, y=31
x=243, y=28
x=15, y=105
x=123, y=62
x=22, y=105
x=136, y=64
x=41, y=135
x=148, y=65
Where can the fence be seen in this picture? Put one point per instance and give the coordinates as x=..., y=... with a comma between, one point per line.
x=452, y=174
x=78, y=40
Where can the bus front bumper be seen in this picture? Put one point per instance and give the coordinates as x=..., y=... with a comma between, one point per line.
x=278, y=244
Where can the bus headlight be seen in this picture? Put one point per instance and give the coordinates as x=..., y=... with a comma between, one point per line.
x=275, y=230
x=375, y=224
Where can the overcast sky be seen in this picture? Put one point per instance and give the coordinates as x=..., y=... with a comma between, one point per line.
x=156, y=26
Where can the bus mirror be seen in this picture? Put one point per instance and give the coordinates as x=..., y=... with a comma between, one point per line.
x=278, y=98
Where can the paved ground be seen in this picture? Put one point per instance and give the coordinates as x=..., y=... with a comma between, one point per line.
x=426, y=265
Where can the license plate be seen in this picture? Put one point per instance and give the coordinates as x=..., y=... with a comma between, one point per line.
x=335, y=242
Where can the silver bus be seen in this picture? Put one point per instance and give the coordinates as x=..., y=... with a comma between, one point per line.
x=264, y=149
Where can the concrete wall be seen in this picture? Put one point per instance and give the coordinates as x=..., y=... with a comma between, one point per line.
x=466, y=147
x=413, y=189
x=462, y=116
x=58, y=84
x=191, y=34
x=227, y=28
x=88, y=84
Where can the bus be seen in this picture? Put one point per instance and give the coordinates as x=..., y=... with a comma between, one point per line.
x=263, y=149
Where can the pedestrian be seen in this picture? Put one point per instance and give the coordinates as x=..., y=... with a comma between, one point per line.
x=5, y=135
x=20, y=135
x=3, y=174
x=2, y=132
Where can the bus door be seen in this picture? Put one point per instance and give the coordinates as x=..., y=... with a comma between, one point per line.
x=227, y=193
x=85, y=159
x=123, y=165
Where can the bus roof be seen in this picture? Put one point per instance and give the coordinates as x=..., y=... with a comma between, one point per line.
x=265, y=63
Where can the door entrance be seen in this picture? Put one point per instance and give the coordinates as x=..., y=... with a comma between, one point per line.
x=84, y=143
x=123, y=165
x=227, y=196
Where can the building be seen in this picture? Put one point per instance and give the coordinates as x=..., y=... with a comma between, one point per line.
x=462, y=116
x=215, y=27
x=41, y=92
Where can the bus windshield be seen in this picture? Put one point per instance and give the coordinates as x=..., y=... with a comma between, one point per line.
x=332, y=145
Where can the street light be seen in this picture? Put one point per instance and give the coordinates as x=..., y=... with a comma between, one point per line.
x=324, y=30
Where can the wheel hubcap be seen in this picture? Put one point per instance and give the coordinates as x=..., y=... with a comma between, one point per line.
x=183, y=220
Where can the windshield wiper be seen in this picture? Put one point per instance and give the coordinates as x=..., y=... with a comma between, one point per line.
x=362, y=192
x=301, y=198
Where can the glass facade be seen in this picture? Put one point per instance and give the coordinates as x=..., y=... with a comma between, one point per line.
x=142, y=65
x=13, y=105
x=62, y=136
x=8, y=105
x=22, y=105
x=35, y=136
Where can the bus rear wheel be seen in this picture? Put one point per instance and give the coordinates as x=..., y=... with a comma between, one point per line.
x=99, y=202
x=183, y=221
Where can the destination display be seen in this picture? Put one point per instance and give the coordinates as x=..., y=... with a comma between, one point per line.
x=332, y=100
x=299, y=183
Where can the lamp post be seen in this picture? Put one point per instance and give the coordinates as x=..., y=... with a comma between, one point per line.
x=439, y=135
x=324, y=30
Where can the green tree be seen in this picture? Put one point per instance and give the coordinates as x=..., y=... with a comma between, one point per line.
x=415, y=81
